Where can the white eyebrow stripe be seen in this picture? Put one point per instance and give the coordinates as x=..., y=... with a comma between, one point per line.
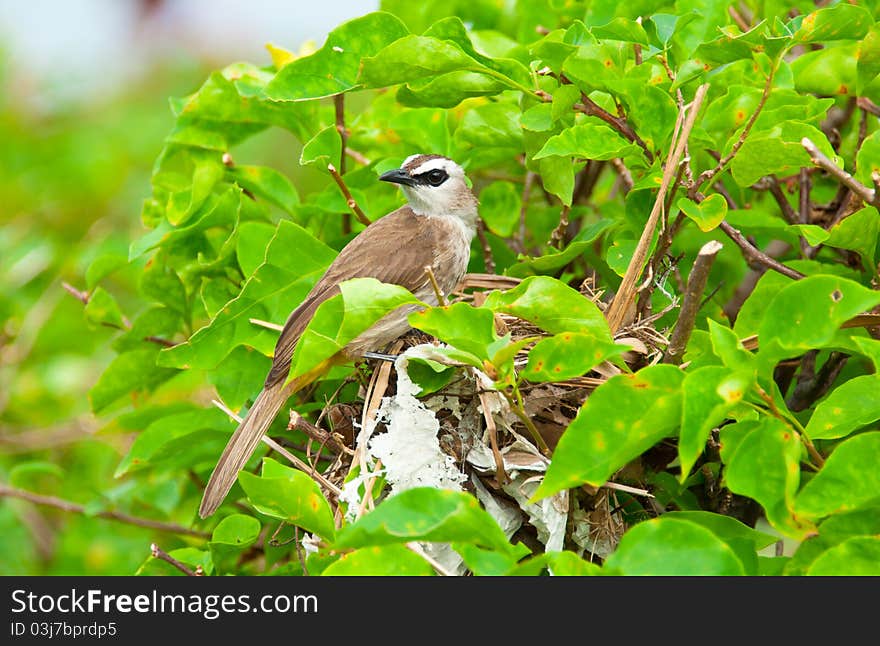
x=432, y=164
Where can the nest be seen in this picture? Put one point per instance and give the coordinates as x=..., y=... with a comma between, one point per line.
x=480, y=443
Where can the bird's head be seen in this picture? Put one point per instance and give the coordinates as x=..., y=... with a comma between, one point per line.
x=435, y=185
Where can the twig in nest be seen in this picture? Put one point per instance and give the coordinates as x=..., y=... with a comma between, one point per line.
x=500, y=473
x=352, y=204
x=332, y=441
x=164, y=556
x=627, y=291
x=690, y=304
x=295, y=461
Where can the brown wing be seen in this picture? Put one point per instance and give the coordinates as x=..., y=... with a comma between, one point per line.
x=394, y=249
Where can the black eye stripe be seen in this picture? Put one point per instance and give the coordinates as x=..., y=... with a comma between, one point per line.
x=433, y=177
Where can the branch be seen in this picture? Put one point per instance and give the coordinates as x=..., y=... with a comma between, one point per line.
x=339, y=108
x=66, y=505
x=871, y=196
x=690, y=304
x=520, y=240
x=157, y=553
x=708, y=175
x=625, y=294
x=788, y=211
x=557, y=237
x=593, y=109
x=352, y=204
x=755, y=255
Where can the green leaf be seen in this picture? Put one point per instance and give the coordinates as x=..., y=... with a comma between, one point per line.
x=237, y=530
x=858, y=556
x=134, y=371
x=568, y=355
x=708, y=394
x=848, y=480
x=621, y=418
x=334, y=68
x=102, y=267
x=162, y=284
x=448, y=90
x=551, y=305
x=425, y=514
x=850, y=406
x=590, y=141
x=551, y=262
x=868, y=63
x=415, y=57
x=342, y=318
x=557, y=173
x=240, y=376
x=671, y=547
x=807, y=313
x=859, y=232
x=102, y=309
x=323, y=149
x=268, y=184
x=843, y=21
x=291, y=496
x=812, y=233
x=567, y=563
x=253, y=241
x=708, y=214
x=167, y=429
x=429, y=375
x=829, y=71
x=380, y=560
x=500, y=204
x=467, y=328
x=777, y=150
x=619, y=255
x=622, y=29
x=487, y=562
x=764, y=466
x=270, y=294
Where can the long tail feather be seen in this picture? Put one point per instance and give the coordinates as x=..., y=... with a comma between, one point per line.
x=241, y=446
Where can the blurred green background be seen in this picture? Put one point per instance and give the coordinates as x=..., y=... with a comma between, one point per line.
x=83, y=114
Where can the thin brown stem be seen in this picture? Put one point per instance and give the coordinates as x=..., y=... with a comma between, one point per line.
x=339, y=108
x=785, y=206
x=593, y=109
x=628, y=287
x=519, y=242
x=491, y=427
x=352, y=204
x=819, y=159
x=755, y=255
x=557, y=236
x=710, y=173
x=158, y=553
x=441, y=297
x=67, y=505
x=690, y=304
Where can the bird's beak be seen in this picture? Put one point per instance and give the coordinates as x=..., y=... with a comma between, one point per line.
x=398, y=176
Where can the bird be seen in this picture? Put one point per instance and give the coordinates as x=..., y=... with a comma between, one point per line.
x=433, y=229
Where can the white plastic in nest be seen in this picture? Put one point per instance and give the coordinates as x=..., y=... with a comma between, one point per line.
x=409, y=448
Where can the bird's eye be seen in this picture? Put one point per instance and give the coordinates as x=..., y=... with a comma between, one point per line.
x=436, y=177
